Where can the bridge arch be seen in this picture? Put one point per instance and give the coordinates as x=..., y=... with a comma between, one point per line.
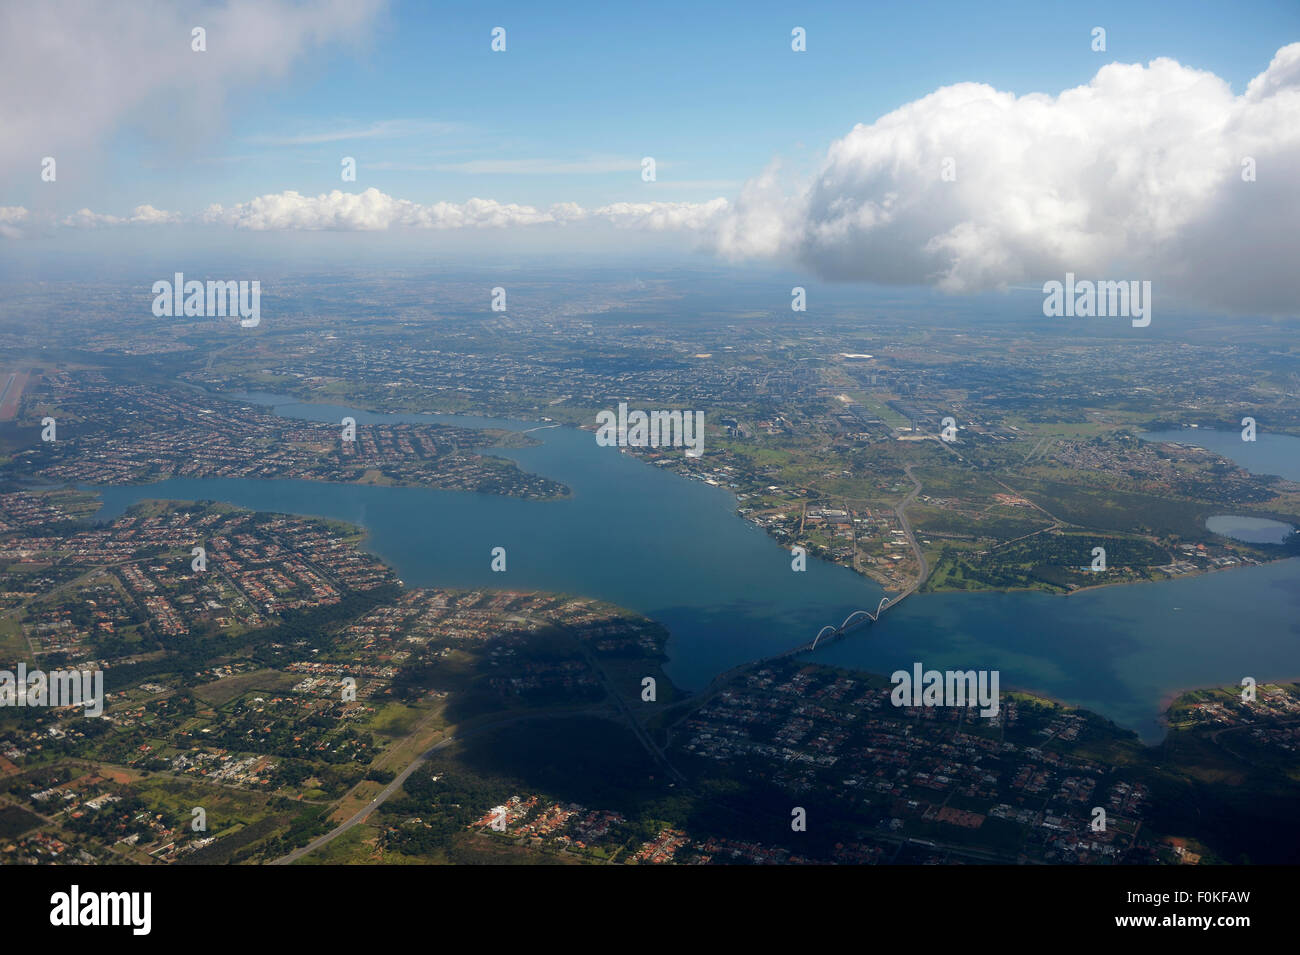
x=821, y=633
x=873, y=617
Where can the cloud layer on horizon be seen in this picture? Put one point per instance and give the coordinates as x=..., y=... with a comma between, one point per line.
x=375, y=211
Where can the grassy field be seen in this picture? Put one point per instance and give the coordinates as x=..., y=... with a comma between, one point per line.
x=13, y=645
x=876, y=406
x=220, y=692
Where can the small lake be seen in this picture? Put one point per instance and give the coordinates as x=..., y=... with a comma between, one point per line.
x=1252, y=530
x=675, y=550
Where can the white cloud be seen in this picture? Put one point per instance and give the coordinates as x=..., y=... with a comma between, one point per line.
x=375, y=211
x=368, y=211
x=761, y=220
x=85, y=219
x=73, y=71
x=148, y=215
x=12, y=220
x=141, y=215
x=663, y=216
x=16, y=222
x=1136, y=175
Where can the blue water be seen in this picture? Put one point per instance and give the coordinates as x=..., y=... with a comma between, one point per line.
x=1118, y=651
x=631, y=534
x=675, y=550
x=1269, y=453
x=1252, y=530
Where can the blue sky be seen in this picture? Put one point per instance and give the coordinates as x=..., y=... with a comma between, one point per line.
x=995, y=148
x=712, y=92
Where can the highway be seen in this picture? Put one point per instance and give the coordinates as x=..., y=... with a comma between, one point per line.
x=865, y=616
x=922, y=567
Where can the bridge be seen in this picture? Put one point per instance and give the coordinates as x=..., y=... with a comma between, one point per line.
x=852, y=620
x=858, y=617
x=829, y=634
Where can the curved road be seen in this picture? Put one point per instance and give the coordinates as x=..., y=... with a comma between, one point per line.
x=922, y=568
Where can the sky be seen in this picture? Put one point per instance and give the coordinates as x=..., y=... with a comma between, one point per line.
x=963, y=146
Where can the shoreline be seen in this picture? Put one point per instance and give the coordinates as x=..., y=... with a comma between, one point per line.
x=1165, y=701
x=1172, y=696
x=1158, y=718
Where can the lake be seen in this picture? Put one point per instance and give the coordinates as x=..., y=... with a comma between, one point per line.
x=1269, y=453
x=1252, y=530
x=675, y=550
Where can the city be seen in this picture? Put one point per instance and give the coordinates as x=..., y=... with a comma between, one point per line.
x=446, y=441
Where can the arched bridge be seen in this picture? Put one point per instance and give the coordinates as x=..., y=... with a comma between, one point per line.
x=856, y=617
x=826, y=634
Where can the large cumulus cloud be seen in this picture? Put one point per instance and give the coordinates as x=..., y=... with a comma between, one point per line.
x=1136, y=175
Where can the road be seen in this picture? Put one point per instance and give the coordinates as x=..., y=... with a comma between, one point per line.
x=922, y=567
